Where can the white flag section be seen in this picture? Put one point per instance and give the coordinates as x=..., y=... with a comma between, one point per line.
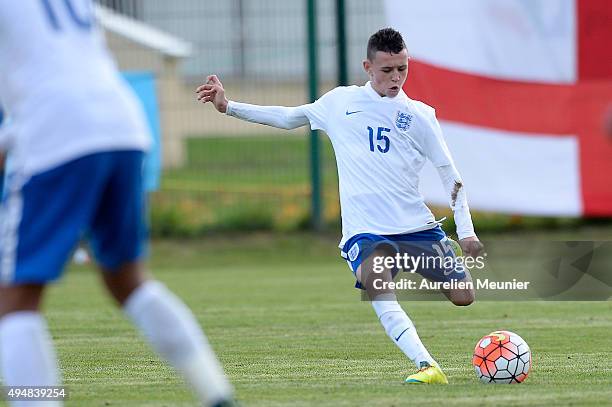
x=504, y=170
x=507, y=172
x=530, y=40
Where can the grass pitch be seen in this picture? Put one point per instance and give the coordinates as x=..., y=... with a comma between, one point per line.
x=290, y=331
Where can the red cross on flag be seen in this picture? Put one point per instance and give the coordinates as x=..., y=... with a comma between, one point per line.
x=521, y=88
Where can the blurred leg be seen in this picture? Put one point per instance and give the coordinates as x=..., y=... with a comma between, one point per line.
x=118, y=239
x=27, y=357
x=44, y=215
x=20, y=298
x=172, y=330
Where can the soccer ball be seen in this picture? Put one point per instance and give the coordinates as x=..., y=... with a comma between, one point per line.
x=502, y=357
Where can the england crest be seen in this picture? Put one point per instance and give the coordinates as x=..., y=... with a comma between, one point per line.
x=353, y=252
x=403, y=120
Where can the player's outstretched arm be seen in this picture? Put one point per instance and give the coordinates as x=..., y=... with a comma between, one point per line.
x=469, y=242
x=276, y=116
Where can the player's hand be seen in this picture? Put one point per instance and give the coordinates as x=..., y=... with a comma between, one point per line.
x=471, y=246
x=212, y=91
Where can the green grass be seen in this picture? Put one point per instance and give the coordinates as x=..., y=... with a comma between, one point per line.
x=236, y=183
x=290, y=331
x=248, y=162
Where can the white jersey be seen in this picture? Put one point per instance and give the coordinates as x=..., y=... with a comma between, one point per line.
x=61, y=87
x=381, y=145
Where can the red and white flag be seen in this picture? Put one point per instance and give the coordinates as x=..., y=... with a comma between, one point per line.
x=520, y=88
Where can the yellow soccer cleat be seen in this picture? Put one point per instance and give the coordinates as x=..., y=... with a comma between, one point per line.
x=427, y=374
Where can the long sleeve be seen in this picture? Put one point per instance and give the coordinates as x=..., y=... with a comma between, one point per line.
x=453, y=185
x=276, y=116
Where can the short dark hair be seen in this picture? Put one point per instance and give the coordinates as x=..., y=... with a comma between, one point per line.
x=386, y=40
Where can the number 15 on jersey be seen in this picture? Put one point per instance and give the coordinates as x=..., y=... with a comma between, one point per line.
x=382, y=142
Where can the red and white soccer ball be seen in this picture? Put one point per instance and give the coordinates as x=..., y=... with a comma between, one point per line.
x=502, y=357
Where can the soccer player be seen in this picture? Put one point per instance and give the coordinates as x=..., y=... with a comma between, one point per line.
x=79, y=135
x=381, y=139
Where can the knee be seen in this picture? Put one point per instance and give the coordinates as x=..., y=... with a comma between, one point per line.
x=20, y=298
x=462, y=298
x=121, y=283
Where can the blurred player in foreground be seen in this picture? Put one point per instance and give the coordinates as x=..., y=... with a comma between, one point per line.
x=79, y=137
x=381, y=139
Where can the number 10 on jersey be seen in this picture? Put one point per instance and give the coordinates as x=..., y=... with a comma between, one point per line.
x=382, y=142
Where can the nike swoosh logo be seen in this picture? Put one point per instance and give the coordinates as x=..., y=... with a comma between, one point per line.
x=356, y=111
x=400, y=335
